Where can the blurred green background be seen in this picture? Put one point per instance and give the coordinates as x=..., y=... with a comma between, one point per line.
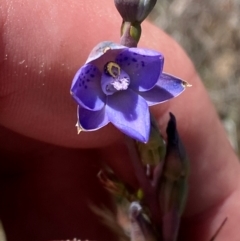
x=209, y=31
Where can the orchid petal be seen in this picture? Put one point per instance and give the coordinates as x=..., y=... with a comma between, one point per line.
x=101, y=49
x=143, y=67
x=129, y=112
x=167, y=87
x=104, y=52
x=86, y=88
x=91, y=120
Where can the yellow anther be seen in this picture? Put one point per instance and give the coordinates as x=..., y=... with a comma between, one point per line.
x=112, y=69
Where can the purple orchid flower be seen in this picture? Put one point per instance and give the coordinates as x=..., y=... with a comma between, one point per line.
x=117, y=84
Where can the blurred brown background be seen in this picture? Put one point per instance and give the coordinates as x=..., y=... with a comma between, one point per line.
x=209, y=31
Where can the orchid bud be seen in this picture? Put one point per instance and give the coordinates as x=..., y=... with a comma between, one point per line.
x=134, y=10
x=141, y=228
x=173, y=183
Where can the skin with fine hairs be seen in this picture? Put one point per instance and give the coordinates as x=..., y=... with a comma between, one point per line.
x=48, y=173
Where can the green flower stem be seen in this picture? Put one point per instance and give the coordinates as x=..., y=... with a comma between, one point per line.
x=150, y=194
x=153, y=152
x=130, y=34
